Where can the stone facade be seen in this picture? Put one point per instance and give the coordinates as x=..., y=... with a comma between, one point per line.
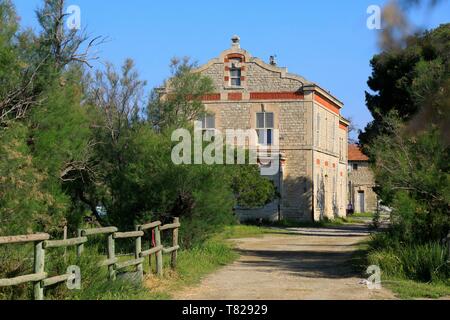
x=313, y=134
x=361, y=182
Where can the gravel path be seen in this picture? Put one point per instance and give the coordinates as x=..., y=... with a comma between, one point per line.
x=303, y=265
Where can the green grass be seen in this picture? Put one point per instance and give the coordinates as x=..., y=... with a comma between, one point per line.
x=326, y=223
x=409, y=289
x=242, y=231
x=394, y=276
x=194, y=264
x=363, y=215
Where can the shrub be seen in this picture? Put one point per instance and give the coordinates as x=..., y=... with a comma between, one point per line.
x=427, y=262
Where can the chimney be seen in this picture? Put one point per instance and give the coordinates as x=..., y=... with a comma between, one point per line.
x=235, y=42
x=273, y=60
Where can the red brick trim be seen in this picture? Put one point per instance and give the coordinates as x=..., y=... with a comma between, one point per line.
x=211, y=97
x=327, y=103
x=276, y=96
x=227, y=79
x=235, y=96
x=318, y=162
x=234, y=56
x=326, y=163
x=242, y=78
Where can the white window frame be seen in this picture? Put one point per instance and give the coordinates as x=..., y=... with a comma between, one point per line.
x=206, y=128
x=236, y=67
x=265, y=129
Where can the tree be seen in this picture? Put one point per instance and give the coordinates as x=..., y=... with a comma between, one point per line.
x=179, y=102
x=42, y=95
x=411, y=81
x=413, y=175
x=117, y=102
x=16, y=74
x=26, y=204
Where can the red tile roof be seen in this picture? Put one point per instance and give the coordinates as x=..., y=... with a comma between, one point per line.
x=355, y=153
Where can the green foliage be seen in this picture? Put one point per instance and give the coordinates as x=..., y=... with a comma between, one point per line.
x=408, y=145
x=409, y=289
x=250, y=190
x=203, y=259
x=8, y=51
x=426, y=263
x=181, y=102
x=409, y=82
x=138, y=181
x=414, y=178
x=16, y=262
x=26, y=205
x=95, y=284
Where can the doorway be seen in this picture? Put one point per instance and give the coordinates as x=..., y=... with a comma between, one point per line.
x=362, y=201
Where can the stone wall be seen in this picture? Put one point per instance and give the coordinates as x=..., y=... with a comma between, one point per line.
x=362, y=180
x=330, y=164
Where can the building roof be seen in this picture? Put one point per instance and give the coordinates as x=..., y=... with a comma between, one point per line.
x=355, y=153
x=273, y=67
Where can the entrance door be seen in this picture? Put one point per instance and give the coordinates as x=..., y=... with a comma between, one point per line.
x=362, y=202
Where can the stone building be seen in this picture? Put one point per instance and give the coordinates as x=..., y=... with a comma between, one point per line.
x=252, y=94
x=361, y=181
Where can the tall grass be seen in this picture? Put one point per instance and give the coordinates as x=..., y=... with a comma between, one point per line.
x=95, y=284
x=425, y=262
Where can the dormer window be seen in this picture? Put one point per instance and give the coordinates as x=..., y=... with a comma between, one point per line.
x=235, y=76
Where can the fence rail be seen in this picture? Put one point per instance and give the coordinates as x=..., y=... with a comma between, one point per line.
x=42, y=242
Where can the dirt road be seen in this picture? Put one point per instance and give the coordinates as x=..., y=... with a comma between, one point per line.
x=305, y=264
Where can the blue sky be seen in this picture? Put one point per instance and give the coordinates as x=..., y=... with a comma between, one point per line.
x=325, y=41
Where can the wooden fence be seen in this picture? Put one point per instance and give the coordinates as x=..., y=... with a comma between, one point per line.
x=448, y=244
x=42, y=243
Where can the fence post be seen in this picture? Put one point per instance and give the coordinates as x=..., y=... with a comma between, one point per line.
x=39, y=267
x=80, y=247
x=111, y=255
x=65, y=238
x=448, y=244
x=173, y=262
x=159, y=254
x=137, y=255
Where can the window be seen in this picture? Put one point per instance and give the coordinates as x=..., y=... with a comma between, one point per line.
x=318, y=130
x=208, y=123
x=333, y=142
x=235, y=77
x=355, y=167
x=264, y=128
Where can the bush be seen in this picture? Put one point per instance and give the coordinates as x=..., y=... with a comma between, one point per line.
x=427, y=262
